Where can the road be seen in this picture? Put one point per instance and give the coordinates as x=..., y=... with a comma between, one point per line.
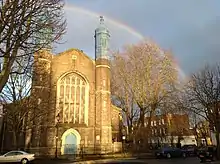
x=147, y=161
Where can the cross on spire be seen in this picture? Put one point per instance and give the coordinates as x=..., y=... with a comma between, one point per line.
x=101, y=20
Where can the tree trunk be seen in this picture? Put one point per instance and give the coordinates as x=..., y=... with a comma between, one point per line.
x=206, y=142
x=171, y=140
x=218, y=144
x=139, y=131
x=129, y=130
x=142, y=117
x=197, y=138
x=146, y=131
x=15, y=144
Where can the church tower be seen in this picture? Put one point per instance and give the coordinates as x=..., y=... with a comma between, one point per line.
x=102, y=76
x=40, y=96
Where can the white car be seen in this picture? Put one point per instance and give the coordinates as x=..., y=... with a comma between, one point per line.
x=16, y=156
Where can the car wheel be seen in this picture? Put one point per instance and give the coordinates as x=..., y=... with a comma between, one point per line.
x=24, y=161
x=202, y=160
x=184, y=155
x=213, y=158
x=168, y=155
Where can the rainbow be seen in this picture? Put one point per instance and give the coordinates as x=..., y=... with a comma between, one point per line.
x=107, y=18
x=116, y=23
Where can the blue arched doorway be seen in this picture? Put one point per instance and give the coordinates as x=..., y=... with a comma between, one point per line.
x=70, y=146
x=70, y=142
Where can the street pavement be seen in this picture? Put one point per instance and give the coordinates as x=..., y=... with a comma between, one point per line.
x=151, y=161
x=134, y=160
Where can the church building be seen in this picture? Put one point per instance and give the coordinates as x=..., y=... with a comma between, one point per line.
x=72, y=101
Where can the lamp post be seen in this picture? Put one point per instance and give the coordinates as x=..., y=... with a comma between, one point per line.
x=57, y=129
x=123, y=143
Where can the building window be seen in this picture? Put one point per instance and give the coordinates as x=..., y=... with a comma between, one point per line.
x=159, y=122
x=104, y=104
x=39, y=101
x=1, y=110
x=164, y=131
x=162, y=121
x=152, y=124
x=40, y=77
x=72, y=99
x=155, y=123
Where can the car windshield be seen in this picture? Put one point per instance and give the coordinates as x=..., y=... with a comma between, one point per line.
x=188, y=147
x=166, y=148
x=10, y=153
x=23, y=152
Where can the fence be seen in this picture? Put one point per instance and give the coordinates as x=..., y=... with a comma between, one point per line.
x=72, y=149
x=81, y=151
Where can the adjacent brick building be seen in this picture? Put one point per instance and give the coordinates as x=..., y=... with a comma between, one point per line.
x=169, y=128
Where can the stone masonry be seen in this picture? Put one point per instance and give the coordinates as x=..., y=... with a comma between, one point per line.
x=95, y=135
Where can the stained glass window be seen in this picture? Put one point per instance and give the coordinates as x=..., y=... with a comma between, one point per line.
x=72, y=99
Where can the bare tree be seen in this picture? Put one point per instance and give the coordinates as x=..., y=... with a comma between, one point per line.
x=27, y=26
x=147, y=74
x=15, y=97
x=122, y=96
x=202, y=97
x=20, y=106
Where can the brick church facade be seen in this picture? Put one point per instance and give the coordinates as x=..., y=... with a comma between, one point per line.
x=72, y=96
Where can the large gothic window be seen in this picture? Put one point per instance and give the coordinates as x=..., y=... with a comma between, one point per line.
x=72, y=99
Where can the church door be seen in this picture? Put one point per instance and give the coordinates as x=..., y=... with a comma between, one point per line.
x=70, y=145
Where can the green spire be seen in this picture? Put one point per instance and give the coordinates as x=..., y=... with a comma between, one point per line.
x=101, y=40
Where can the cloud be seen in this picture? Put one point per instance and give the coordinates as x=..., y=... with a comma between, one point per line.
x=189, y=28
x=81, y=29
x=201, y=47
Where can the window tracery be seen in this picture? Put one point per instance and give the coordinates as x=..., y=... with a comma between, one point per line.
x=72, y=99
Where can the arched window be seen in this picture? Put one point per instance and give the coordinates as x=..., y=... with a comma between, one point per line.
x=72, y=99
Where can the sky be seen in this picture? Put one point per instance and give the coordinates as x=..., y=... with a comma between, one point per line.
x=189, y=28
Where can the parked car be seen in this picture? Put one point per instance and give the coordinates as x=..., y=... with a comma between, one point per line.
x=16, y=157
x=190, y=150
x=207, y=153
x=169, y=152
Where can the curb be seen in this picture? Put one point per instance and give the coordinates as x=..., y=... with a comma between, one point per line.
x=103, y=160
x=93, y=159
